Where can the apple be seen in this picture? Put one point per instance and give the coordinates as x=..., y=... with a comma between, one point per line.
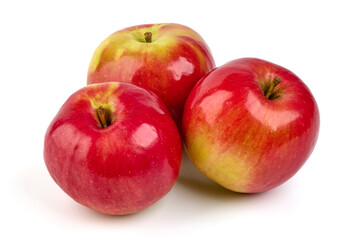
x=250, y=125
x=167, y=59
x=113, y=147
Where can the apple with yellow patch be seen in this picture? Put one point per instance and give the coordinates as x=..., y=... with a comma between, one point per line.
x=113, y=147
x=167, y=59
x=250, y=125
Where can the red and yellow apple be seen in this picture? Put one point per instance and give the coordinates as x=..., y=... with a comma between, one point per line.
x=250, y=125
x=167, y=59
x=113, y=147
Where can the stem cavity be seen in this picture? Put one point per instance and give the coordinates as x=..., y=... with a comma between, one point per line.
x=269, y=88
x=104, y=117
x=148, y=36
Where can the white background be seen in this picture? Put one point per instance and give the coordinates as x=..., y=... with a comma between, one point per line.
x=44, y=55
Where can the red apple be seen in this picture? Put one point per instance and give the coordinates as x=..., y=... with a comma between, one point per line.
x=250, y=125
x=167, y=59
x=113, y=147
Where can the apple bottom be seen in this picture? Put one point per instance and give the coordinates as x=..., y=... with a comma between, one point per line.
x=121, y=195
x=238, y=169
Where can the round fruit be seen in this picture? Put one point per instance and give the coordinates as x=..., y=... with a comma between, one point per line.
x=167, y=59
x=113, y=147
x=250, y=125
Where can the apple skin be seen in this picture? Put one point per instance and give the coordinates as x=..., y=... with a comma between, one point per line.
x=170, y=65
x=123, y=168
x=239, y=138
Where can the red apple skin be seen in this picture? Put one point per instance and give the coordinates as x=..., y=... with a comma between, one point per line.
x=170, y=65
x=123, y=168
x=239, y=138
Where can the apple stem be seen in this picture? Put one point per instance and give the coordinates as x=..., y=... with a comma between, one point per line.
x=103, y=117
x=148, y=36
x=273, y=85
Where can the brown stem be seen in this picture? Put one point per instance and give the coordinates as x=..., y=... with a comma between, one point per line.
x=148, y=36
x=103, y=117
x=273, y=85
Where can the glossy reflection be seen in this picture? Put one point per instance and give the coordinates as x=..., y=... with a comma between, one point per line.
x=181, y=67
x=273, y=118
x=145, y=136
x=79, y=140
x=213, y=104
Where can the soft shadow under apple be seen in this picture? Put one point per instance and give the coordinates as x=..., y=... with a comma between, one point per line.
x=42, y=193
